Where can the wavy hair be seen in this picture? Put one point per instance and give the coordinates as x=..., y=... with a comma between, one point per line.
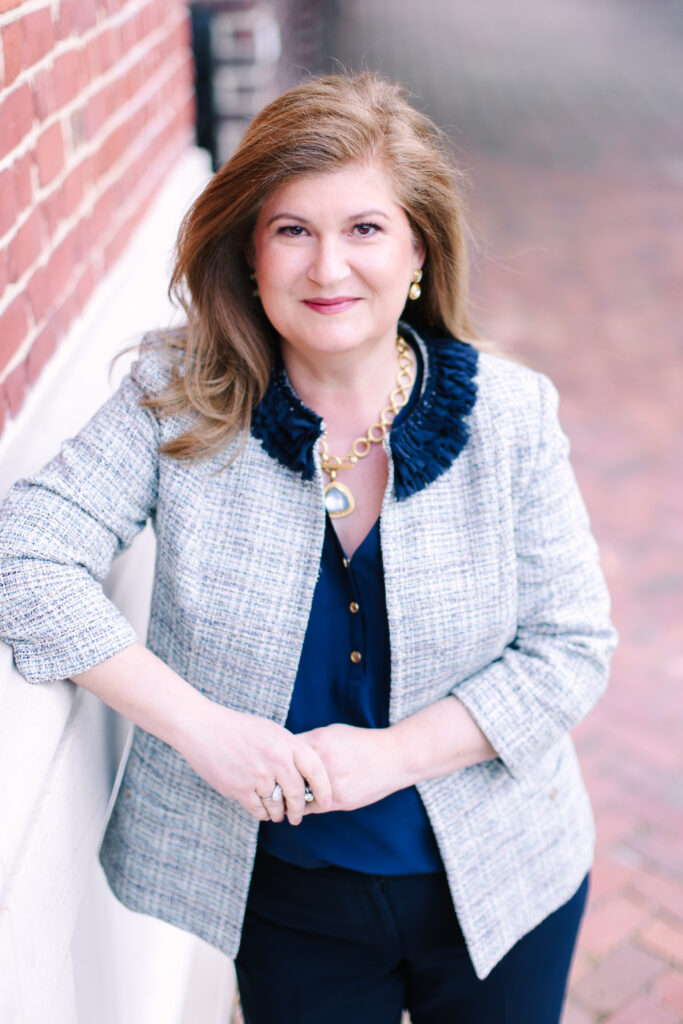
x=224, y=356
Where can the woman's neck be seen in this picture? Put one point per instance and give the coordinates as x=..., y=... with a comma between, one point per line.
x=344, y=387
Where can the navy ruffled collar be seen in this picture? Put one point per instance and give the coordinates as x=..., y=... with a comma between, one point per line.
x=423, y=444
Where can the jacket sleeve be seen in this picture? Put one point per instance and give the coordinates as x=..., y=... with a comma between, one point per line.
x=556, y=667
x=61, y=529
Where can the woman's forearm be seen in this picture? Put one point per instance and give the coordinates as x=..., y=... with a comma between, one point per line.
x=437, y=740
x=364, y=765
x=146, y=691
x=241, y=755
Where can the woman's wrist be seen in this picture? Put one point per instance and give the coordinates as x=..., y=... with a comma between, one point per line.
x=148, y=693
x=437, y=740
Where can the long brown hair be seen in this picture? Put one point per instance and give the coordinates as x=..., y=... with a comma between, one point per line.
x=316, y=127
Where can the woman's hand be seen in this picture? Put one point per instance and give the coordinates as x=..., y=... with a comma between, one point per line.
x=363, y=765
x=243, y=756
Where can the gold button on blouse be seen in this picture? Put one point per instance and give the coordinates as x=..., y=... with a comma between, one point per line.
x=354, y=607
x=356, y=657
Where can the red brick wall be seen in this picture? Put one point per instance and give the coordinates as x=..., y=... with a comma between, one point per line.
x=95, y=105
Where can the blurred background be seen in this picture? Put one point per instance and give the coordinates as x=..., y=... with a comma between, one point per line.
x=567, y=116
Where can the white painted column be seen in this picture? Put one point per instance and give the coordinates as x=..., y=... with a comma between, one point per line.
x=69, y=953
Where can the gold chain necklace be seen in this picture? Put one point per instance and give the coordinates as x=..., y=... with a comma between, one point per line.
x=339, y=500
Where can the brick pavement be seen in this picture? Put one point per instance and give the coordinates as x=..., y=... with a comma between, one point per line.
x=570, y=120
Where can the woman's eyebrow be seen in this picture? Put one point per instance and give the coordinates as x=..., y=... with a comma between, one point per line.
x=303, y=220
x=287, y=216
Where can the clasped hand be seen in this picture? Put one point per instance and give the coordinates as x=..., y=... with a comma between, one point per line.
x=243, y=755
x=363, y=765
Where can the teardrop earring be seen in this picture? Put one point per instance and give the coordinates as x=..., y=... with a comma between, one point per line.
x=414, y=292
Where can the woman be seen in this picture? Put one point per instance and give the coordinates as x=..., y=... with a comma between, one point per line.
x=377, y=606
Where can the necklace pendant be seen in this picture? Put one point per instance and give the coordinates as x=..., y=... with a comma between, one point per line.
x=339, y=501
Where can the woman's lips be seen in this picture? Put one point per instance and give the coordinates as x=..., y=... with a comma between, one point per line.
x=327, y=306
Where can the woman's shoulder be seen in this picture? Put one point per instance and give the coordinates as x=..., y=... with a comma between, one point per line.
x=511, y=397
x=159, y=358
x=502, y=377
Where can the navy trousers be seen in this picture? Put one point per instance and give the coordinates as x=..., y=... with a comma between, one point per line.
x=331, y=946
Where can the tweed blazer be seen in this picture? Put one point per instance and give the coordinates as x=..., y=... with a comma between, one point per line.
x=494, y=594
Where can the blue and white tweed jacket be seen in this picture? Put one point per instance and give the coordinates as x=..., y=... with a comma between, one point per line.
x=494, y=594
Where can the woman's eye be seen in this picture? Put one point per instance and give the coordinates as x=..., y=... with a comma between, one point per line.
x=365, y=229
x=291, y=230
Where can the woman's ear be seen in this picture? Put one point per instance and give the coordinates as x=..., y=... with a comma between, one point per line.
x=248, y=253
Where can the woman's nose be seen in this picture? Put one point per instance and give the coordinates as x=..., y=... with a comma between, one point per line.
x=329, y=264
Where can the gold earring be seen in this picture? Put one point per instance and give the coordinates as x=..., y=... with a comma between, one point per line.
x=414, y=292
x=252, y=278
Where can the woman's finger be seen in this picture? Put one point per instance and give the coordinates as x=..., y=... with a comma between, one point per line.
x=274, y=803
x=256, y=808
x=310, y=765
x=293, y=788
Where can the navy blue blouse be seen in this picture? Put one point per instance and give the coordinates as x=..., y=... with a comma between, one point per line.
x=344, y=669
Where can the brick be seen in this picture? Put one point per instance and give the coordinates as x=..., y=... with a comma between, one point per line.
x=668, y=992
x=13, y=329
x=23, y=187
x=607, y=876
x=49, y=153
x=70, y=76
x=61, y=265
x=150, y=18
x=76, y=17
x=662, y=849
x=39, y=294
x=3, y=272
x=9, y=5
x=664, y=893
x=16, y=386
x=97, y=111
x=24, y=249
x=612, y=827
x=8, y=205
x=642, y=1011
x=103, y=214
x=53, y=210
x=41, y=351
x=44, y=94
x=86, y=286
x=12, y=51
x=617, y=979
x=112, y=6
x=109, y=46
x=74, y=188
x=665, y=940
x=93, y=59
x=78, y=128
x=68, y=311
x=37, y=36
x=112, y=149
x=129, y=35
x=605, y=926
x=16, y=118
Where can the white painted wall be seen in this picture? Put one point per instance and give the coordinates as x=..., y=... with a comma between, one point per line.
x=69, y=953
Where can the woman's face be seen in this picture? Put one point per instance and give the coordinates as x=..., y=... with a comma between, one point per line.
x=334, y=257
